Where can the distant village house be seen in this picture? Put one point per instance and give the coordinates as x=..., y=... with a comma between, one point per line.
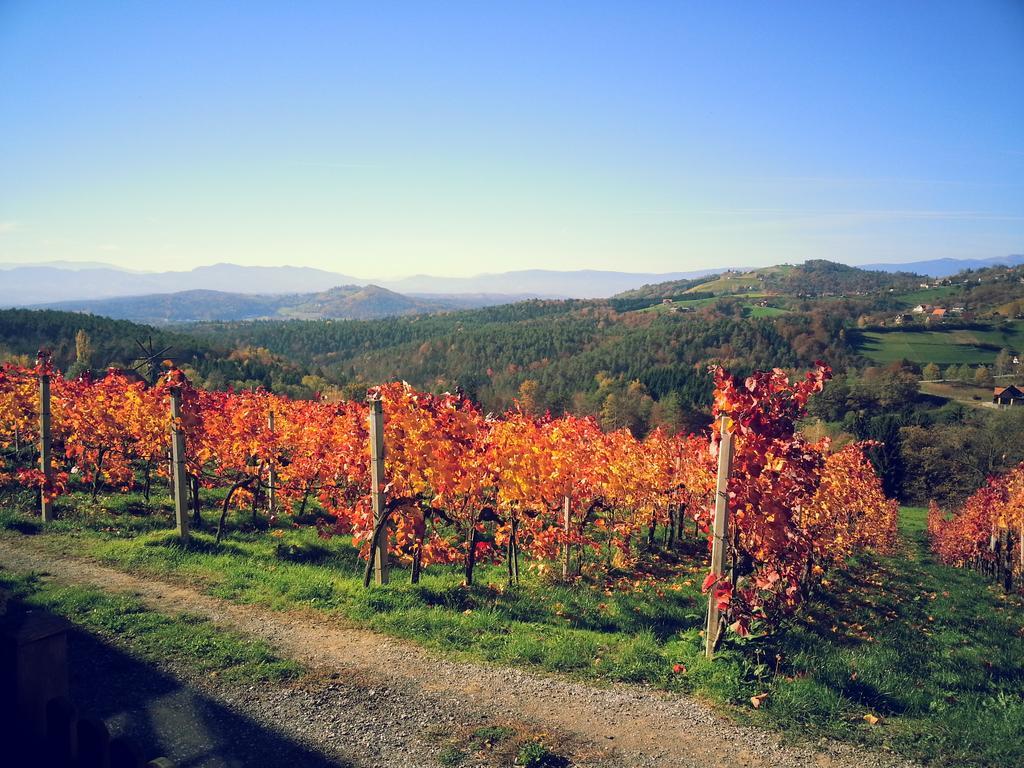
x=1005, y=397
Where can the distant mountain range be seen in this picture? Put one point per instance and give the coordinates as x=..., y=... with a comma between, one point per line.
x=348, y=302
x=945, y=267
x=80, y=285
x=43, y=284
x=25, y=285
x=542, y=283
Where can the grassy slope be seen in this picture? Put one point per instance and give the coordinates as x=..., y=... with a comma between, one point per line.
x=756, y=311
x=934, y=653
x=941, y=347
x=935, y=296
x=752, y=309
x=943, y=668
x=149, y=635
x=959, y=391
x=732, y=284
x=660, y=308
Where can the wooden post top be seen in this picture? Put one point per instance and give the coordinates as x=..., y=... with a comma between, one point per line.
x=32, y=626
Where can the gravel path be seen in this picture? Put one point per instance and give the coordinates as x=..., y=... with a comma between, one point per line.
x=373, y=700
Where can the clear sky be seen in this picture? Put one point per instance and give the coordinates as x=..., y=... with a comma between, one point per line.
x=387, y=138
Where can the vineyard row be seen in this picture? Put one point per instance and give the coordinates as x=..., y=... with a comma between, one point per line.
x=432, y=479
x=987, y=532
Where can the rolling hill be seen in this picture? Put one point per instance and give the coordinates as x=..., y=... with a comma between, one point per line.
x=350, y=302
x=812, y=278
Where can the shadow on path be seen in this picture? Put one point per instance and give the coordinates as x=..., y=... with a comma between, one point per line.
x=171, y=718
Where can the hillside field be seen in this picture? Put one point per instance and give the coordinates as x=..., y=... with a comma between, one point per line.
x=929, y=295
x=942, y=347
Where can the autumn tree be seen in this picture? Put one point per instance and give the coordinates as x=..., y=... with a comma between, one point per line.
x=983, y=377
x=1004, y=362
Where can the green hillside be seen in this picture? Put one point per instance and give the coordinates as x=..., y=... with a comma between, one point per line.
x=816, y=277
x=942, y=346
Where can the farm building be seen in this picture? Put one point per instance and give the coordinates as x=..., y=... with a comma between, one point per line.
x=1007, y=396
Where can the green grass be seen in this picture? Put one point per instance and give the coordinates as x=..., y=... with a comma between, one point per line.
x=928, y=295
x=451, y=756
x=756, y=311
x=149, y=635
x=752, y=309
x=942, y=347
x=935, y=653
x=732, y=284
x=496, y=744
x=534, y=754
x=622, y=634
x=959, y=391
x=661, y=308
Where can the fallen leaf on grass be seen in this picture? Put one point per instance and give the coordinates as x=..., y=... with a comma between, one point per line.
x=871, y=719
x=756, y=700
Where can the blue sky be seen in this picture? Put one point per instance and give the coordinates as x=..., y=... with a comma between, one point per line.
x=383, y=139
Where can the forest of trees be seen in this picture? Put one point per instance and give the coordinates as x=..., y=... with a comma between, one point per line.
x=927, y=448
x=818, y=277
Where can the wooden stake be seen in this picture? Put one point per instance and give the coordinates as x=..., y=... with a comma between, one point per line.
x=45, y=459
x=272, y=474
x=178, y=479
x=566, y=521
x=380, y=543
x=720, y=533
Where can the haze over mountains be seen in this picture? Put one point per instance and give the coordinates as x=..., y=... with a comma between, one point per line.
x=234, y=292
x=945, y=267
x=28, y=285
x=348, y=302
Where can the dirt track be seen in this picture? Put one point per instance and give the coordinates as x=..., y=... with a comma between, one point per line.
x=376, y=698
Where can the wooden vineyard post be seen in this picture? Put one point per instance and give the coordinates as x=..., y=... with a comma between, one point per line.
x=379, y=546
x=271, y=474
x=720, y=532
x=566, y=521
x=1008, y=560
x=45, y=459
x=178, y=479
